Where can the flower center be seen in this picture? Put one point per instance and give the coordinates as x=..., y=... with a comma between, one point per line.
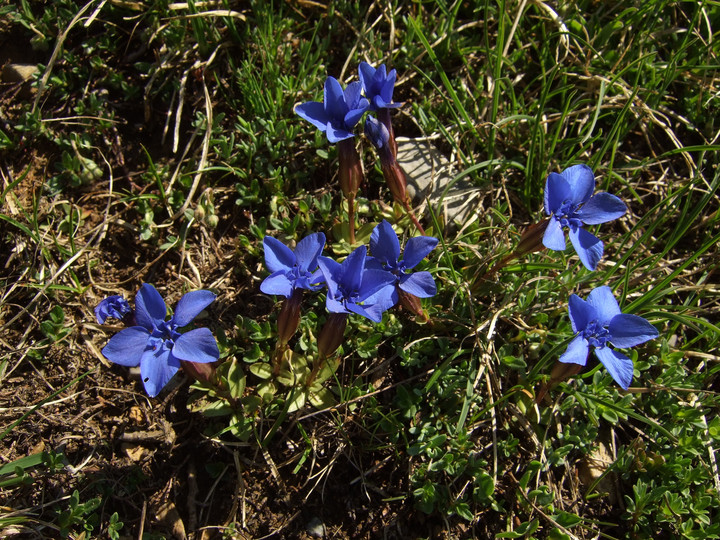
x=567, y=215
x=300, y=278
x=348, y=296
x=164, y=336
x=395, y=267
x=596, y=334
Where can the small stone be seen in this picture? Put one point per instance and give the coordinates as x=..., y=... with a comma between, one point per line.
x=430, y=177
x=316, y=528
x=17, y=73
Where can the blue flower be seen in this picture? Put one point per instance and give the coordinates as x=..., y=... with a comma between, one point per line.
x=112, y=306
x=597, y=323
x=156, y=344
x=570, y=204
x=378, y=85
x=339, y=111
x=385, y=248
x=293, y=270
x=353, y=288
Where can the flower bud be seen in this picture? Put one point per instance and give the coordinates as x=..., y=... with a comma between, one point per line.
x=331, y=335
x=378, y=134
x=561, y=371
x=201, y=372
x=531, y=239
x=384, y=117
x=289, y=317
x=351, y=173
x=412, y=304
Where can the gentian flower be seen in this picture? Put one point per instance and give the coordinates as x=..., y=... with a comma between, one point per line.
x=385, y=248
x=570, y=204
x=112, y=306
x=293, y=270
x=354, y=289
x=156, y=344
x=597, y=323
x=378, y=85
x=339, y=111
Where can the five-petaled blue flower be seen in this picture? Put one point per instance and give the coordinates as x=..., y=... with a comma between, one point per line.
x=378, y=85
x=112, y=306
x=156, y=344
x=353, y=288
x=570, y=204
x=385, y=249
x=293, y=270
x=339, y=111
x=597, y=323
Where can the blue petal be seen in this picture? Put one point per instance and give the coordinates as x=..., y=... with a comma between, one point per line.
x=554, y=236
x=388, y=86
x=277, y=255
x=380, y=73
x=317, y=280
x=150, y=309
x=421, y=284
x=366, y=74
x=557, y=190
x=371, y=263
x=629, y=330
x=308, y=250
x=127, y=346
x=384, y=243
x=379, y=103
x=356, y=104
x=333, y=306
x=581, y=180
x=373, y=281
x=351, y=270
x=334, y=100
x=373, y=315
x=417, y=248
x=384, y=299
x=277, y=283
x=581, y=313
x=330, y=270
x=601, y=208
x=353, y=94
x=619, y=366
x=603, y=300
x=588, y=247
x=313, y=112
x=352, y=117
x=190, y=306
x=197, y=345
x=156, y=371
x=336, y=134
x=576, y=353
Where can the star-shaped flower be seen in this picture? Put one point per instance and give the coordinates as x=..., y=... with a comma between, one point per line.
x=570, y=204
x=293, y=269
x=156, y=344
x=353, y=288
x=385, y=248
x=378, y=85
x=598, y=322
x=339, y=111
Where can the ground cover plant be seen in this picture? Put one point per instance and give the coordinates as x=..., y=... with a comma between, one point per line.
x=434, y=269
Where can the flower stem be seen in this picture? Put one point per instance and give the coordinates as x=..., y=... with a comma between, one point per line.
x=351, y=217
